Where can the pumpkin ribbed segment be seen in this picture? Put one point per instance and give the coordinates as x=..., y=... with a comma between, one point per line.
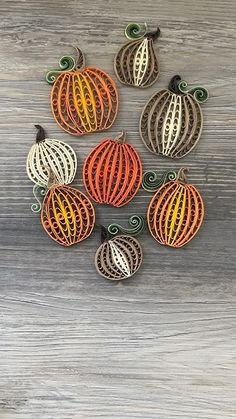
x=175, y=214
x=84, y=101
x=112, y=173
x=67, y=215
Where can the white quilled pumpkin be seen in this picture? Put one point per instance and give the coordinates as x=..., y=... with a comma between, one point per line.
x=50, y=153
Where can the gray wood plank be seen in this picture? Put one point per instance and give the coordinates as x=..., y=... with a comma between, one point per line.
x=162, y=344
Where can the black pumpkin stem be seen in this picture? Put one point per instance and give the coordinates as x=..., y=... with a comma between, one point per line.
x=41, y=135
x=174, y=85
x=105, y=235
x=154, y=35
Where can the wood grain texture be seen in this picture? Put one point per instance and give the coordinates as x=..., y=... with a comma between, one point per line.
x=162, y=344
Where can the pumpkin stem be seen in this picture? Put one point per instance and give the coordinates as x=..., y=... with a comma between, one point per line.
x=79, y=59
x=105, y=235
x=121, y=138
x=40, y=136
x=52, y=177
x=174, y=84
x=154, y=35
x=182, y=174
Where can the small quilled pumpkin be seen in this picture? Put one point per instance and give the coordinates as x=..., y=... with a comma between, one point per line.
x=112, y=172
x=53, y=154
x=136, y=63
x=175, y=212
x=67, y=215
x=171, y=121
x=83, y=99
x=118, y=257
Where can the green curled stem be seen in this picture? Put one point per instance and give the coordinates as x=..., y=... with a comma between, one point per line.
x=199, y=93
x=152, y=181
x=135, y=30
x=136, y=223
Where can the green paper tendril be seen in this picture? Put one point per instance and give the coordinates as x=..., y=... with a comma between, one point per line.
x=152, y=181
x=135, y=30
x=135, y=221
x=200, y=94
x=39, y=194
x=66, y=63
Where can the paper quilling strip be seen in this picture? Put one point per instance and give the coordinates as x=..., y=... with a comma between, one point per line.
x=112, y=172
x=83, y=99
x=119, y=257
x=50, y=153
x=136, y=63
x=171, y=121
x=176, y=211
x=67, y=215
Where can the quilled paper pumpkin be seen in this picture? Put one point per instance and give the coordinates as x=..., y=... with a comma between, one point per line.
x=118, y=257
x=175, y=212
x=136, y=63
x=53, y=154
x=67, y=214
x=112, y=172
x=171, y=121
x=83, y=99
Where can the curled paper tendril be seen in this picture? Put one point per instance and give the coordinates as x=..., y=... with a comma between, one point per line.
x=135, y=30
x=135, y=221
x=200, y=94
x=39, y=194
x=152, y=181
x=66, y=63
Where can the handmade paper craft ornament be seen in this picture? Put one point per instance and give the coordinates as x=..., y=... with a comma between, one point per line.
x=50, y=153
x=112, y=172
x=176, y=211
x=171, y=121
x=120, y=256
x=83, y=99
x=67, y=214
x=136, y=63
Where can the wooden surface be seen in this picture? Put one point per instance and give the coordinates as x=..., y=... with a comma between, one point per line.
x=161, y=345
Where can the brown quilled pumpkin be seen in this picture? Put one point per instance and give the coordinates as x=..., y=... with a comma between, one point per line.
x=136, y=63
x=171, y=121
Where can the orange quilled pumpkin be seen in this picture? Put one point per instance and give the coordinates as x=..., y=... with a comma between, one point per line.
x=67, y=214
x=175, y=212
x=112, y=172
x=83, y=99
